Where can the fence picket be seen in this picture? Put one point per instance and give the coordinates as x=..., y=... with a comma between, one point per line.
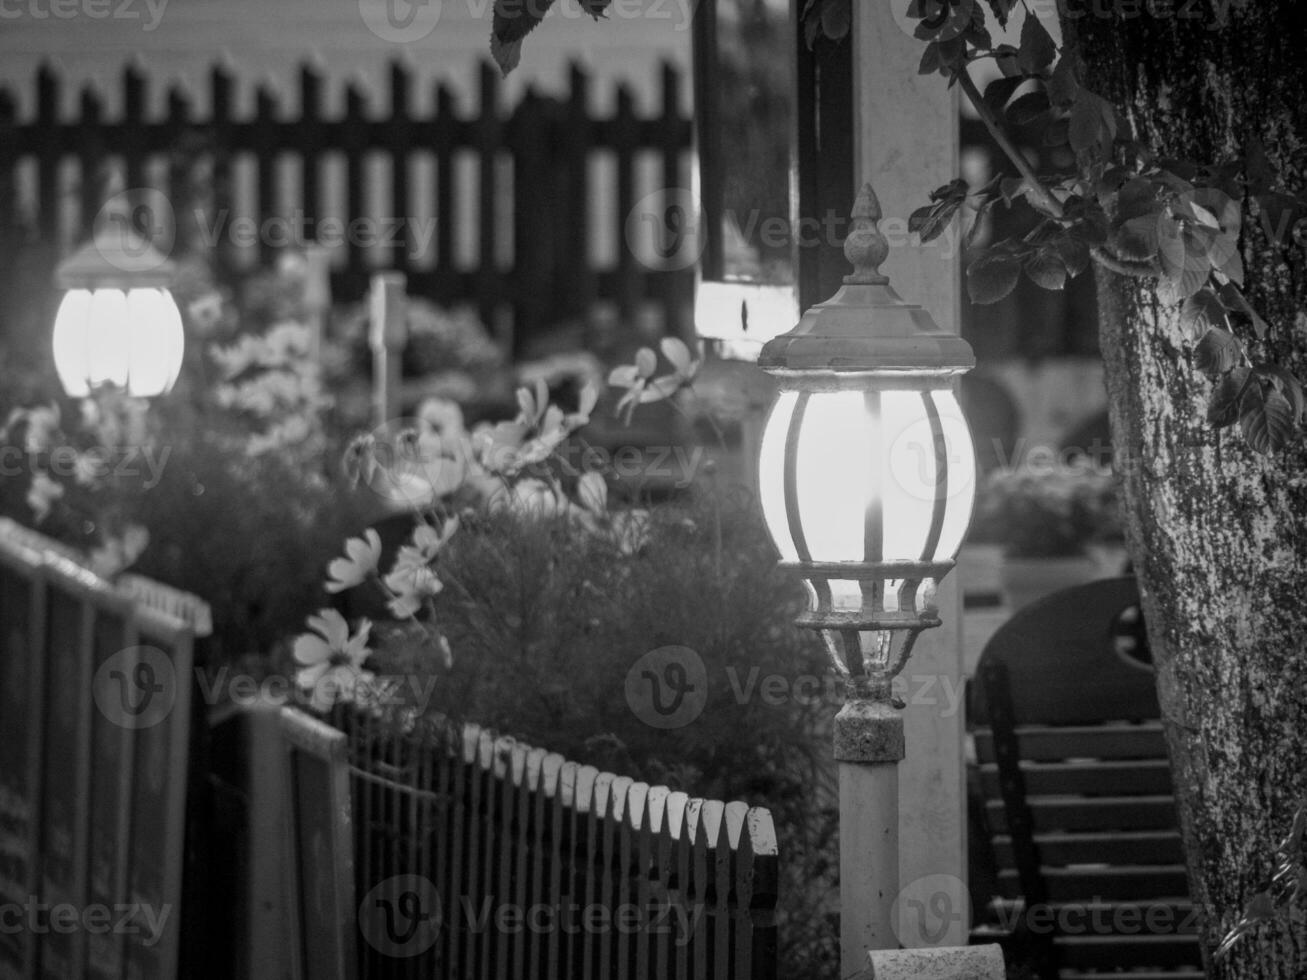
x=626, y=135
x=400, y=137
x=8, y=154
x=265, y=128
x=549, y=869
x=134, y=95
x=488, y=135
x=220, y=123
x=684, y=829
x=46, y=140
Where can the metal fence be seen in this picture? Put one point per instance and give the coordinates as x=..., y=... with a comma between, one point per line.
x=540, y=867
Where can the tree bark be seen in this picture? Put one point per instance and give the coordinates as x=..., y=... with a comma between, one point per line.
x=1218, y=533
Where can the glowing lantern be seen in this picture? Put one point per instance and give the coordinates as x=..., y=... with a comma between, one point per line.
x=117, y=324
x=866, y=468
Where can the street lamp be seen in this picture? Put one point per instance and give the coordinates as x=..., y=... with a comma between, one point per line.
x=117, y=324
x=866, y=477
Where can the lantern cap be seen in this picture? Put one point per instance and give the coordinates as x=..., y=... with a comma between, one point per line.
x=866, y=327
x=117, y=257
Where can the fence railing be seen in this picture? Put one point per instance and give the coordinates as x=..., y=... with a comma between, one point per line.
x=540, y=867
x=526, y=181
x=96, y=741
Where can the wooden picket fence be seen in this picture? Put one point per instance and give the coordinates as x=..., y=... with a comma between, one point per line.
x=536, y=246
x=95, y=778
x=546, y=868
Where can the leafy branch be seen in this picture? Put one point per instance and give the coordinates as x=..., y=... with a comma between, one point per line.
x=1178, y=223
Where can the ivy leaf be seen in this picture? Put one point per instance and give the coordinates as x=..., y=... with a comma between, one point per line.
x=1216, y=353
x=1037, y=50
x=1046, y=269
x=1201, y=312
x=1266, y=418
x=1137, y=238
x=931, y=220
x=1027, y=108
x=930, y=60
x=992, y=277
x=1287, y=382
x=1000, y=90
x=1091, y=128
x=514, y=20
x=976, y=224
x=1223, y=408
x=1062, y=84
x=1074, y=254
x=1091, y=229
x=1001, y=9
x=1137, y=196
x=1233, y=300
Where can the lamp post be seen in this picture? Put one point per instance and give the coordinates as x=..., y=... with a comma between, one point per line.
x=866, y=477
x=117, y=323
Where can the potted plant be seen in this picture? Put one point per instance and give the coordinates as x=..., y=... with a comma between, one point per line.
x=1050, y=519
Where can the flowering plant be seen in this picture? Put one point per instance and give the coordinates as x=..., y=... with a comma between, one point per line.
x=81, y=475
x=1040, y=510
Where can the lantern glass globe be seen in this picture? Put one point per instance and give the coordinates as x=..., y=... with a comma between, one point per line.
x=131, y=339
x=877, y=476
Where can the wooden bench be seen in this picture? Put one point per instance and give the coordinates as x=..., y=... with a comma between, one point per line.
x=1075, y=793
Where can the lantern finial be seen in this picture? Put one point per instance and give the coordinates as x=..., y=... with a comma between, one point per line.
x=864, y=246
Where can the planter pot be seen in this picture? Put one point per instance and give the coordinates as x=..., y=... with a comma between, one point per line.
x=1028, y=579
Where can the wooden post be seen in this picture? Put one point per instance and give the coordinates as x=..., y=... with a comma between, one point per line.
x=868, y=749
x=906, y=128
x=388, y=332
x=317, y=295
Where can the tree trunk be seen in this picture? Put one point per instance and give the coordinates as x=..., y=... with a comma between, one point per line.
x=1218, y=533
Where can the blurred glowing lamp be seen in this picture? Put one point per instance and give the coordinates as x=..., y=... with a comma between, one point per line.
x=118, y=324
x=866, y=468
